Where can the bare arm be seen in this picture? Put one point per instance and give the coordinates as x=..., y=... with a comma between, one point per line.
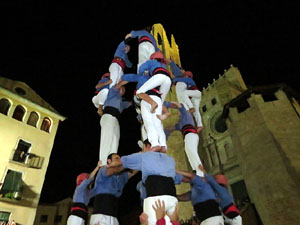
x=100, y=85
x=121, y=83
x=93, y=173
x=185, y=174
x=132, y=173
x=184, y=197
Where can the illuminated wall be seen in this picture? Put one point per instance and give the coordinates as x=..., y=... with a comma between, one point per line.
x=28, y=126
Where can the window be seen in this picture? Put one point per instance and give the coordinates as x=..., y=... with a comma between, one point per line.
x=33, y=119
x=4, y=216
x=22, y=151
x=20, y=91
x=43, y=218
x=46, y=124
x=12, y=185
x=240, y=193
x=213, y=101
x=159, y=39
x=19, y=113
x=58, y=219
x=204, y=109
x=4, y=106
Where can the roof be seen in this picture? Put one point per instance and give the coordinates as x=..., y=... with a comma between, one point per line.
x=26, y=92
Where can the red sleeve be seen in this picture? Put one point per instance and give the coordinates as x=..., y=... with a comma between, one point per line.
x=161, y=221
x=175, y=222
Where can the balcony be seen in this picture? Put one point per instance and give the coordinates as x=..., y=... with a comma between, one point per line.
x=27, y=159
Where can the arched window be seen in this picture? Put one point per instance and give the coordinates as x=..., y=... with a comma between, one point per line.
x=19, y=113
x=4, y=106
x=46, y=124
x=33, y=119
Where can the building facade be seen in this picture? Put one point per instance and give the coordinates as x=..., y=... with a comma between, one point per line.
x=28, y=126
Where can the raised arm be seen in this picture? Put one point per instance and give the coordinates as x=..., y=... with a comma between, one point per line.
x=184, y=197
x=100, y=85
x=93, y=173
x=187, y=176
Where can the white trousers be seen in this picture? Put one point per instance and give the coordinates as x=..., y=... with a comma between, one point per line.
x=153, y=125
x=110, y=136
x=161, y=80
x=143, y=132
x=75, y=220
x=100, y=219
x=191, y=141
x=170, y=204
x=100, y=98
x=146, y=49
x=180, y=94
x=234, y=221
x=194, y=102
x=215, y=220
x=116, y=73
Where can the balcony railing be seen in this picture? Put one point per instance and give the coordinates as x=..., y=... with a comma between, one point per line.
x=27, y=159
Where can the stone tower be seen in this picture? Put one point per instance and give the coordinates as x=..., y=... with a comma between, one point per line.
x=175, y=141
x=265, y=127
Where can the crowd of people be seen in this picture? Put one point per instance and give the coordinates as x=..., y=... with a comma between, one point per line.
x=212, y=203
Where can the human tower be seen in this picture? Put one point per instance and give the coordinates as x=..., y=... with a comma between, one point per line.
x=209, y=196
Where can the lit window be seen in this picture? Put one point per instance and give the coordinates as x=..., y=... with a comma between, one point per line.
x=4, y=106
x=12, y=185
x=19, y=113
x=22, y=151
x=33, y=119
x=46, y=124
x=4, y=216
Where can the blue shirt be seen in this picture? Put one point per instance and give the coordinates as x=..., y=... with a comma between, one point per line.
x=151, y=65
x=103, y=80
x=82, y=194
x=140, y=79
x=120, y=52
x=201, y=191
x=141, y=188
x=185, y=117
x=114, y=99
x=150, y=163
x=113, y=184
x=175, y=69
x=141, y=33
x=222, y=194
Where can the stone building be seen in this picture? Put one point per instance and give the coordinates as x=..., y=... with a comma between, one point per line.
x=28, y=125
x=252, y=136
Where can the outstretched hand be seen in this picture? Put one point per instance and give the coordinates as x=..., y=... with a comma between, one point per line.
x=174, y=216
x=159, y=209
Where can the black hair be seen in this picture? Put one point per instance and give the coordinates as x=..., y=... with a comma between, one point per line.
x=110, y=156
x=146, y=142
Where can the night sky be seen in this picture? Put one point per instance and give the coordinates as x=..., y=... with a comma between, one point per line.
x=61, y=49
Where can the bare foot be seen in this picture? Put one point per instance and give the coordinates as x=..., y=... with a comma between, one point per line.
x=153, y=106
x=155, y=149
x=192, y=110
x=100, y=112
x=163, y=149
x=199, y=129
x=163, y=116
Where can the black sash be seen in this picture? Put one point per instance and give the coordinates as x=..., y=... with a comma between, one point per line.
x=159, y=185
x=112, y=111
x=80, y=210
x=106, y=204
x=207, y=209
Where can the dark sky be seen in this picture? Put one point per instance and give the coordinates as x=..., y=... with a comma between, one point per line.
x=60, y=49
